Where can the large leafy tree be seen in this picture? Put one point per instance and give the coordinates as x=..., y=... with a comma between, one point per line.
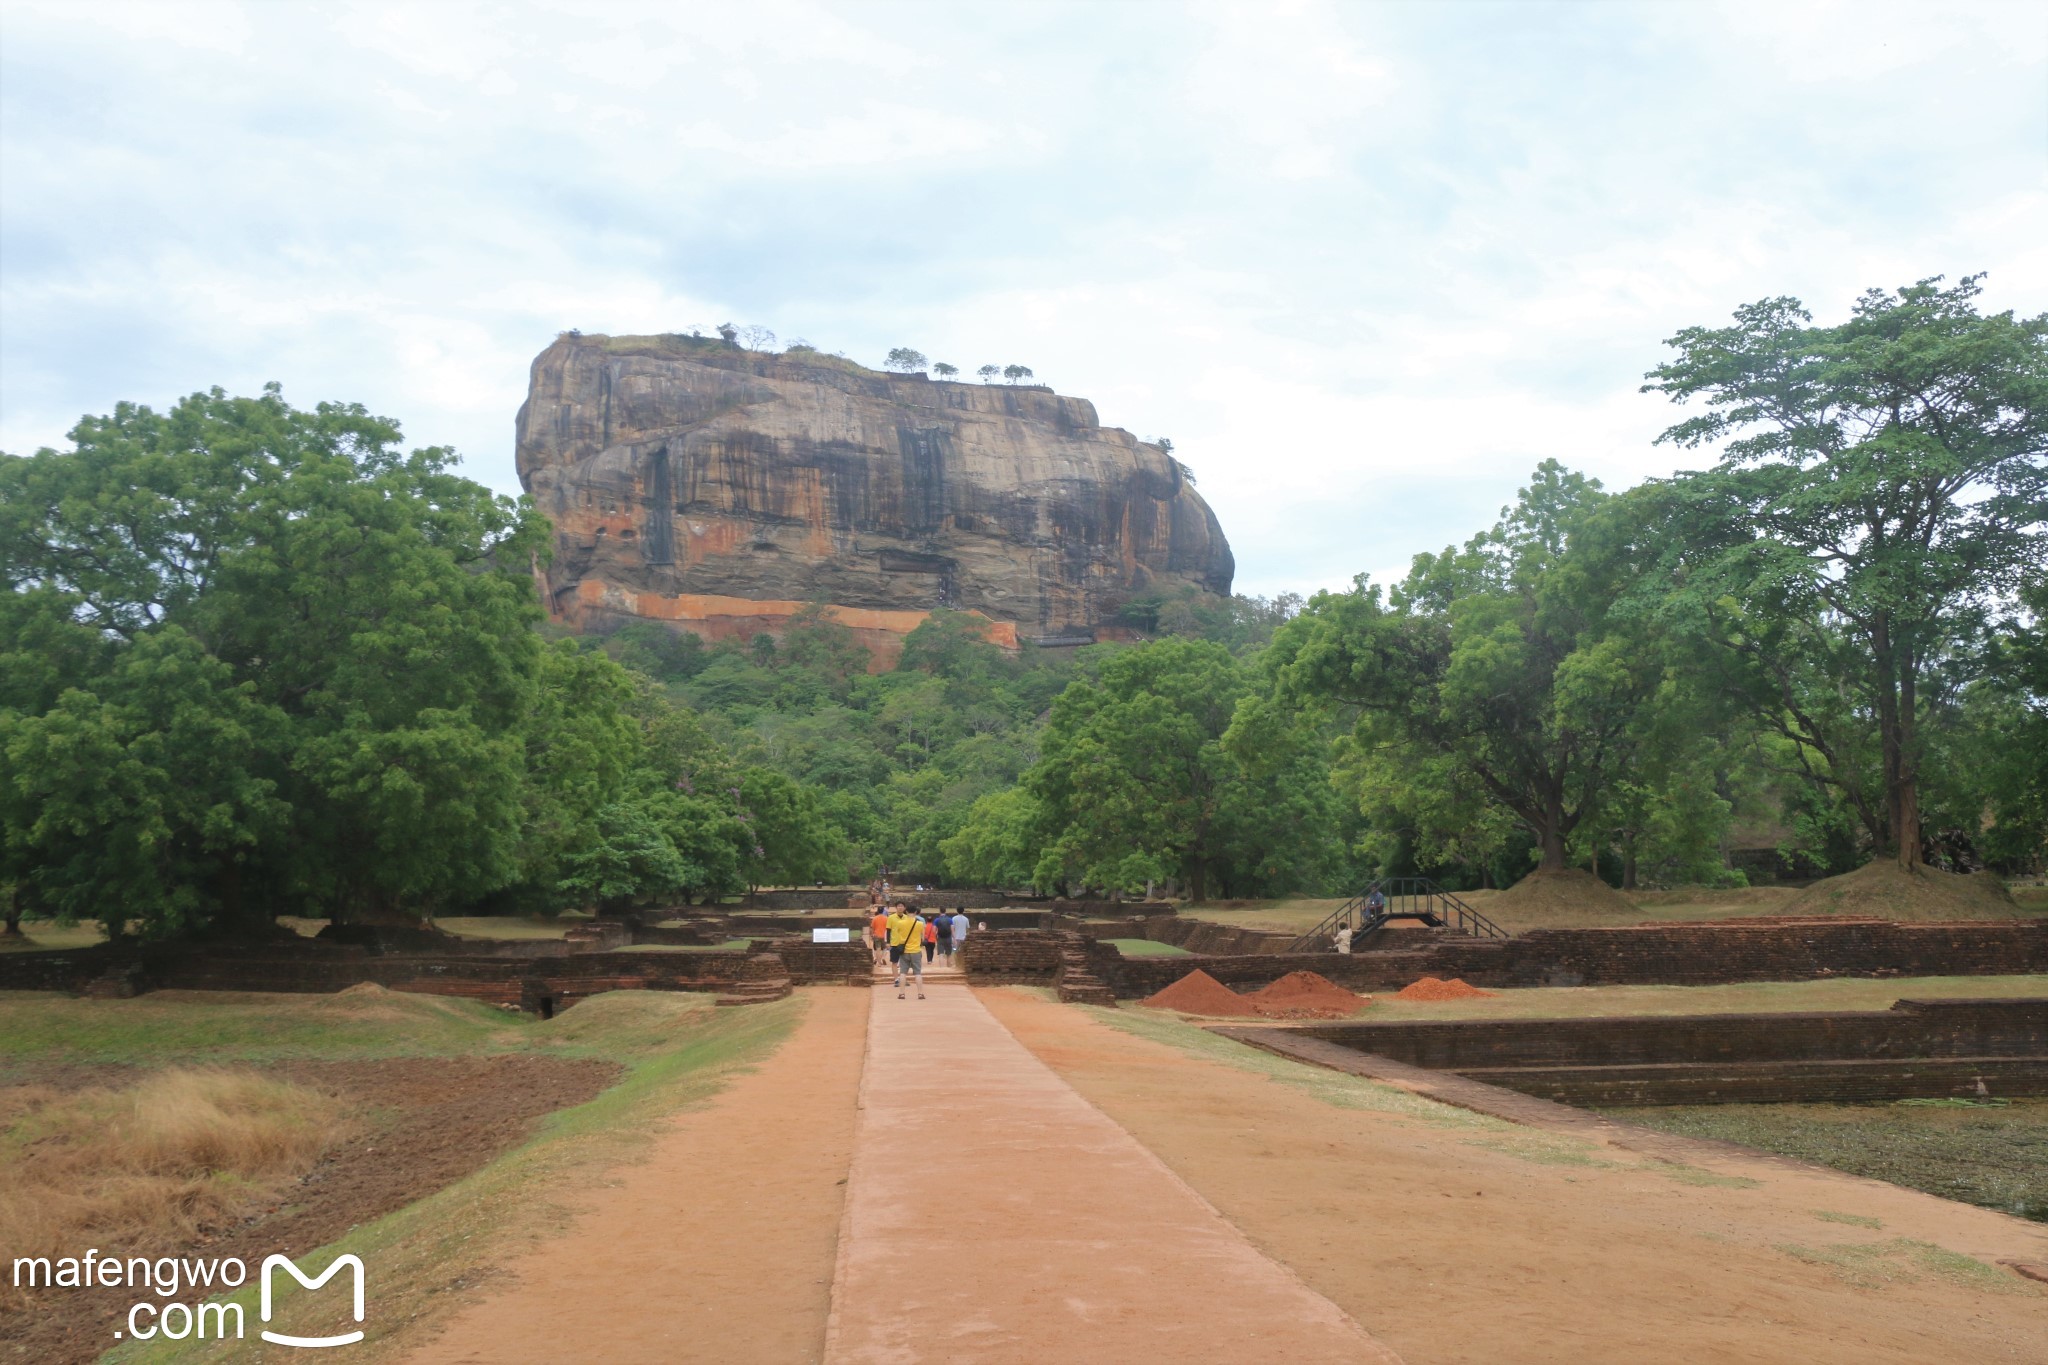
x=1169, y=765
x=281, y=664
x=1882, y=490
x=1495, y=676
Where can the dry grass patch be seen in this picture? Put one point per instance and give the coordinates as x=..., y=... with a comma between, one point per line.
x=157, y=1163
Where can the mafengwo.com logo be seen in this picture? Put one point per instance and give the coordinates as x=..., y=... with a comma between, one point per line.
x=164, y=1276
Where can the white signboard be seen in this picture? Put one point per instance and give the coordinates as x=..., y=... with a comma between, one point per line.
x=831, y=935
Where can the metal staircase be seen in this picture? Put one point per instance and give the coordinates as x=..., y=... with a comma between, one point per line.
x=1416, y=898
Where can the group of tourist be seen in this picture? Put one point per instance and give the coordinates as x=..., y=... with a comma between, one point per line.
x=913, y=941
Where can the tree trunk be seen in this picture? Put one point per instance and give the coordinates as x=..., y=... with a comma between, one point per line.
x=13, y=913
x=1906, y=778
x=1628, y=866
x=1895, y=698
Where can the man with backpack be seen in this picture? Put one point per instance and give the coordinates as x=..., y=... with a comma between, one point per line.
x=906, y=947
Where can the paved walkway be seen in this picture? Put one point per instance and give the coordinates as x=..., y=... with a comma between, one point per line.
x=993, y=1215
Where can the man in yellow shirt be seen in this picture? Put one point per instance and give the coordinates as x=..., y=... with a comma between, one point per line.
x=906, y=947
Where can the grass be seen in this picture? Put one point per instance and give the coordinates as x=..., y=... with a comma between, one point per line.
x=729, y=946
x=1991, y=1155
x=166, y=1027
x=1145, y=947
x=1854, y=1220
x=677, y=1050
x=50, y=936
x=1875, y=1265
x=1679, y=905
x=524, y=929
x=1749, y=997
x=154, y=1162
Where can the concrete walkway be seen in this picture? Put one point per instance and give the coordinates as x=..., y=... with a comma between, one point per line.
x=993, y=1215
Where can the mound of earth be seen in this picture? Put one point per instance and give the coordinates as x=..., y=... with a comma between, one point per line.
x=1435, y=988
x=1885, y=890
x=1570, y=896
x=1200, y=993
x=1307, y=995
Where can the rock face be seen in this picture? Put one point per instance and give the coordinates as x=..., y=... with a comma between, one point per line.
x=723, y=490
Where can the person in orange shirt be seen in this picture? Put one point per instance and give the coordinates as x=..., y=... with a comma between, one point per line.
x=878, y=935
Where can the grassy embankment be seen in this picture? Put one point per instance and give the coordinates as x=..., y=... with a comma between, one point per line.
x=1682, y=905
x=675, y=1050
x=1993, y=1155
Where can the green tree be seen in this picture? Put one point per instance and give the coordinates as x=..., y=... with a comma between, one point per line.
x=904, y=360
x=1883, y=486
x=1142, y=777
x=997, y=844
x=945, y=371
x=373, y=611
x=625, y=857
x=989, y=373
x=792, y=841
x=1496, y=674
x=1016, y=373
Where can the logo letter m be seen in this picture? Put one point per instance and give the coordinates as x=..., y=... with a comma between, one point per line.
x=271, y=1263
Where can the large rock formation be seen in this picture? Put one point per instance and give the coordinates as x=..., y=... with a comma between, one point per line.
x=723, y=490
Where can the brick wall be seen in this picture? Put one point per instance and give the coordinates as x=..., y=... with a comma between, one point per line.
x=1013, y=957
x=1916, y=1049
x=1910, y=1029
x=826, y=963
x=1658, y=954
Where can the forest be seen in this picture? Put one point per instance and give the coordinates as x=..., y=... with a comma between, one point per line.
x=259, y=660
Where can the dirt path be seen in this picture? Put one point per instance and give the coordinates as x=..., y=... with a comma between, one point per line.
x=718, y=1248
x=1453, y=1241
x=993, y=1215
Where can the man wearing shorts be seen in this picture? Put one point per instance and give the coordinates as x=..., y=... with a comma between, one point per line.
x=906, y=947
x=878, y=935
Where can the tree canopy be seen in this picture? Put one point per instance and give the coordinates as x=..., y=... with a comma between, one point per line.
x=1883, y=489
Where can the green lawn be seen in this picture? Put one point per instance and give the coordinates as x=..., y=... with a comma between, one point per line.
x=522, y=928
x=1993, y=1155
x=730, y=945
x=1144, y=947
x=47, y=935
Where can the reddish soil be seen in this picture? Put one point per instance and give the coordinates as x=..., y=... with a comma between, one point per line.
x=427, y=1122
x=1455, y=1243
x=1307, y=995
x=719, y=1247
x=1434, y=988
x=1200, y=993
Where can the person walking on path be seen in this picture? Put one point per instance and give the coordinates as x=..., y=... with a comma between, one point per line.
x=906, y=947
x=931, y=942
x=942, y=940
x=959, y=928
x=878, y=935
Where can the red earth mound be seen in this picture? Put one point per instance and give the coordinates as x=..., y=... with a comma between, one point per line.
x=1200, y=993
x=1307, y=995
x=1432, y=988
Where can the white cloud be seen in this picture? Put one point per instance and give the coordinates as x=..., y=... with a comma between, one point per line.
x=1366, y=265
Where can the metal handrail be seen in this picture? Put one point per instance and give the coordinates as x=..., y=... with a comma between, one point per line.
x=1416, y=898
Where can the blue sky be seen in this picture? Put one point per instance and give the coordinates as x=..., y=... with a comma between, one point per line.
x=1364, y=264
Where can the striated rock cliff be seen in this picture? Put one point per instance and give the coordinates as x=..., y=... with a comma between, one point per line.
x=722, y=490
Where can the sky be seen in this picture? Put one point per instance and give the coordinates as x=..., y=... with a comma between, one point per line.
x=1365, y=264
